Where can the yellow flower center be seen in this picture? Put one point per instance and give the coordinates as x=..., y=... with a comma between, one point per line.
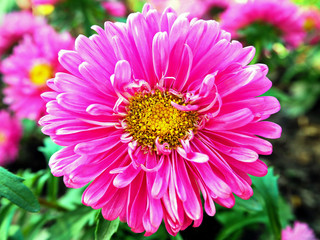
x=43, y=9
x=309, y=24
x=151, y=116
x=40, y=73
x=2, y=137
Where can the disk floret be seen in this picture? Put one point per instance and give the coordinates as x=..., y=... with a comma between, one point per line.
x=151, y=116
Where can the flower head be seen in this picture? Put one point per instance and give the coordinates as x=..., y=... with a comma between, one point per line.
x=15, y=25
x=10, y=134
x=312, y=24
x=282, y=16
x=115, y=8
x=219, y=3
x=155, y=112
x=196, y=8
x=298, y=232
x=44, y=2
x=26, y=71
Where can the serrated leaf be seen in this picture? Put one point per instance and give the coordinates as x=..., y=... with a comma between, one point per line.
x=12, y=188
x=105, y=229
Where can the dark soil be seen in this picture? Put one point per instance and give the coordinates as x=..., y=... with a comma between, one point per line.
x=296, y=159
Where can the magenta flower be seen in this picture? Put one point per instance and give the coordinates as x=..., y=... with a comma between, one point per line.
x=283, y=15
x=44, y=2
x=10, y=134
x=15, y=25
x=219, y=3
x=26, y=71
x=156, y=111
x=312, y=25
x=115, y=8
x=298, y=232
x=196, y=8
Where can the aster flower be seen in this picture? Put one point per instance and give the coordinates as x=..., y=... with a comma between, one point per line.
x=214, y=8
x=156, y=111
x=219, y=3
x=115, y=8
x=282, y=16
x=15, y=25
x=10, y=134
x=44, y=2
x=298, y=232
x=26, y=71
x=196, y=8
x=312, y=24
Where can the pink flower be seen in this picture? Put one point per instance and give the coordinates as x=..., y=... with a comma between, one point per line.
x=15, y=25
x=298, y=232
x=44, y=2
x=312, y=24
x=26, y=71
x=114, y=8
x=156, y=111
x=283, y=15
x=10, y=134
x=218, y=3
x=196, y=8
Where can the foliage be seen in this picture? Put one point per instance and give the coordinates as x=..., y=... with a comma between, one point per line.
x=35, y=205
x=265, y=207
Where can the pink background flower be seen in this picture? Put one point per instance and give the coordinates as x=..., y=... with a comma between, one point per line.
x=154, y=112
x=312, y=25
x=298, y=232
x=283, y=15
x=25, y=72
x=10, y=134
x=115, y=8
x=41, y=2
x=15, y=25
x=196, y=8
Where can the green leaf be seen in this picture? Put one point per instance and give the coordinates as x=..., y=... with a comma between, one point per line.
x=12, y=188
x=72, y=224
x=267, y=187
x=29, y=126
x=105, y=229
x=136, y=5
x=6, y=6
x=15, y=233
x=285, y=212
x=232, y=228
x=6, y=216
x=49, y=148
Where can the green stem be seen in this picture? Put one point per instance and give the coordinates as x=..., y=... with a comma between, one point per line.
x=86, y=19
x=53, y=185
x=256, y=57
x=52, y=205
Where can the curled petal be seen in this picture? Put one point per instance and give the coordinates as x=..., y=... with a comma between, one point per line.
x=188, y=154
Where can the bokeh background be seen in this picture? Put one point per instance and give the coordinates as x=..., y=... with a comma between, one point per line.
x=294, y=68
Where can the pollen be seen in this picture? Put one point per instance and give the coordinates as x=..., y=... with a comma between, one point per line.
x=40, y=73
x=2, y=138
x=309, y=24
x=151, y=116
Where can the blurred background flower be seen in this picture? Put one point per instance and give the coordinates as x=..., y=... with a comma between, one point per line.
x=286, y=37
x=25, y=72
x=10, y=134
